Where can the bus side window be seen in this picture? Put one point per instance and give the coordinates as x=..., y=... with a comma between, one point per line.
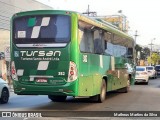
x=99, y=42
x=86, y=41
x=105, y=44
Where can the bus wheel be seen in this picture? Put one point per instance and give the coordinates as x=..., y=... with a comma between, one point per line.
x=102, y=96
x=128, y=85
x=4, y=96
x=125, y=89
x=56, y=98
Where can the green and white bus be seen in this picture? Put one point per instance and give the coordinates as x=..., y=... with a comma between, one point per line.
x=64, y=53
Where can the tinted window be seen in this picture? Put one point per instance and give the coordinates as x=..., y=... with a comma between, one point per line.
x=140, y=69
x=157, y=67
x=99, y=44
x=115, y=50
x=86, y=44
x=149, y=68
x=41, y=29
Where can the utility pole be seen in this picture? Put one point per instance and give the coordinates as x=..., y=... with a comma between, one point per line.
x=88, y=12
x=136, y=35
x=151, y=49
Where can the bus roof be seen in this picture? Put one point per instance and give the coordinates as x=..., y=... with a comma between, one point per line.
x=107, y=26
x=97, y=22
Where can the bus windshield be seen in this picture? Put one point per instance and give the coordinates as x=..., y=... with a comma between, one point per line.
x=47, y=29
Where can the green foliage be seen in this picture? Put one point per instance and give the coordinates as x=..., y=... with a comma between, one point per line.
x=144, y=52
x=138, y=48
x=153, y=59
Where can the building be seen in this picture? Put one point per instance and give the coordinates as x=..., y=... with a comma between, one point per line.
x=118, y=20
x=7, y=9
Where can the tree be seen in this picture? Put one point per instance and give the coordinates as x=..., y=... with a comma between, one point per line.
x=138, y=48
x=153, y=59
x=144, y=52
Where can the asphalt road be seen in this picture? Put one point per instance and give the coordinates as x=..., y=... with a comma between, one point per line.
x=141, y=97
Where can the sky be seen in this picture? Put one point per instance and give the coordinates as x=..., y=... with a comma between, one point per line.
x=143, y=15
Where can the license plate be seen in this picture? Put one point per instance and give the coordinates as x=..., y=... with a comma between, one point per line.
x=41, y=80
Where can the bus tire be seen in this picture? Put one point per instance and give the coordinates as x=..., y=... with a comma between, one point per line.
x=56, y=98
x=102, y=96
x=128, y=86
x=125, y=89
x=4, y=96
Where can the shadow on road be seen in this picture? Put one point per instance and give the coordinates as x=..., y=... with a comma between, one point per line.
x=74, y=103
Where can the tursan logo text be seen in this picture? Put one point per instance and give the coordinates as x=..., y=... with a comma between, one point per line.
x=40, y=53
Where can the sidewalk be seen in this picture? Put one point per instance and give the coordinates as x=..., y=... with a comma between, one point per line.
x=11, y=88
